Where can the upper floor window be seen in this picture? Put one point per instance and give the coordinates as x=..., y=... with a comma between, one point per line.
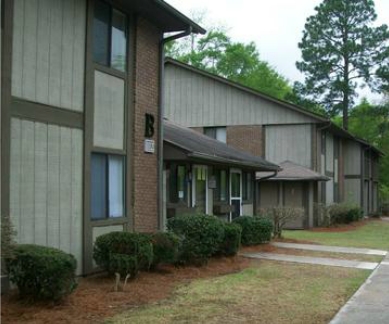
x=109, y=36
x=218, y=133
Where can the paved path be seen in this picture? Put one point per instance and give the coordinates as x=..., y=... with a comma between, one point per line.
x=313, y=260
x=370, y=304
x=326, y=248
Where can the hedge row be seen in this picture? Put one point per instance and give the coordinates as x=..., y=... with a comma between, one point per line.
x=344, y=213
x=48, y=273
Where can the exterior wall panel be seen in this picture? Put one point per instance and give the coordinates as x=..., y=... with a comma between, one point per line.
x=49, y=52
x=195, y=100
x=109, y=111
x=352, y=160
x=289, y=142
x=353, y=191
x=46, y=185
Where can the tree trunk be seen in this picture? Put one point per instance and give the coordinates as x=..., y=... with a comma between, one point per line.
x=345, y=111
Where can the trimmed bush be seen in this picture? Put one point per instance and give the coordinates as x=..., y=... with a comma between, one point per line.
x=344, y=213
x=42, y=272
x=201, y=236
x=255, y=230
x=232, y=238
x=165, y=248
x=123, y=252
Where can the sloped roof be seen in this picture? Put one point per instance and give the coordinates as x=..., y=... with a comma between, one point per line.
x=295, y=172
x=328, y=124
x=201, y=147
x=162, y=15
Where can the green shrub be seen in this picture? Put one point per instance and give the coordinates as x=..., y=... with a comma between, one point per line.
x=344, y=213
x=232, y=238
x=201, y=236
x=255, y=230
x=41, y=272
x=165, y=247
x=123, y=252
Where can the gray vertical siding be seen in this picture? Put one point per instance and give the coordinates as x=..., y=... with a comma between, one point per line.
x=352, y=191
x=289, y=142
x=109, y=111
x=194, y=100
x=46, y=185
x=352, y=158
x=49, y=52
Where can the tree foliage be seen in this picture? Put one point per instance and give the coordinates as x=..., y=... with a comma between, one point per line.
x=236, y=61
x=341, y=49
x=371, y=122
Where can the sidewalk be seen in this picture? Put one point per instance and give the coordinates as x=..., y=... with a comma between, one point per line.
x=313, y=260
x=326, y=248
x=370, y=304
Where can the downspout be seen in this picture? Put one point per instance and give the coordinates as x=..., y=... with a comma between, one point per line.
x=319, y=185
x=163, y=41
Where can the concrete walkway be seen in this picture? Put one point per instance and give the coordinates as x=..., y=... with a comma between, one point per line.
x=325, y=248
x=313, y=260
x=370, y=304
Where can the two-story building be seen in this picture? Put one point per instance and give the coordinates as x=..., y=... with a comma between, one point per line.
x=81, y=144
x=344, y=167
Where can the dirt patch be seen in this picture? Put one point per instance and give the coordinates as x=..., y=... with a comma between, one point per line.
x=95, y=299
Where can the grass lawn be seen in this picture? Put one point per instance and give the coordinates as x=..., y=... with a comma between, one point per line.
x=266, y=292
x=373, y=235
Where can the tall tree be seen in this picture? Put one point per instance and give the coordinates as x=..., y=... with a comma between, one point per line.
x=341, y=50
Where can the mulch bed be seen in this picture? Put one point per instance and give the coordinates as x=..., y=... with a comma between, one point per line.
x=94, y=299
x=343, y=227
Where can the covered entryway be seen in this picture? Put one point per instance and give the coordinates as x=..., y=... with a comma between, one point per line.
x=292, y=187
x=293, y=196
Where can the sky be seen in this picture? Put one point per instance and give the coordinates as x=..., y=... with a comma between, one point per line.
x=275, y=26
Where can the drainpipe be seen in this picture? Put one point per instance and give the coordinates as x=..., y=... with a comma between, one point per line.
x=163, y=41
x=319, y=185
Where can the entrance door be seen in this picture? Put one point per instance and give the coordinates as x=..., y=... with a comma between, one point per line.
x=236, y=192
x=199, y=190
x=294, y=193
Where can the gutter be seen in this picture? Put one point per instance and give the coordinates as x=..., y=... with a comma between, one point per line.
x=163, y=41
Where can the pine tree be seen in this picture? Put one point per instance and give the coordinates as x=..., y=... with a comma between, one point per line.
x=341, y=50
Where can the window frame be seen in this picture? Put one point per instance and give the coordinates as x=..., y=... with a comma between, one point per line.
x=173, y=185
x=217, y=192
x=247, y=183
x=108, y=68
x=107, y=210
x=214, y=132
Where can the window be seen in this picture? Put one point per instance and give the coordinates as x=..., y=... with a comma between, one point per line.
x=218, y=133
x=109, y=36
x=221, y=191
x=247, y=186
x=107, y=186
x=178, y=183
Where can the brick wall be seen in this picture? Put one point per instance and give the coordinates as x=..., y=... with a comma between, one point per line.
x=198, y=129
x=247, y=138
x=146, y=101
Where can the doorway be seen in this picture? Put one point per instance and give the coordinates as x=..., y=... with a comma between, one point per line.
x=199, y=189
x=236, y=193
